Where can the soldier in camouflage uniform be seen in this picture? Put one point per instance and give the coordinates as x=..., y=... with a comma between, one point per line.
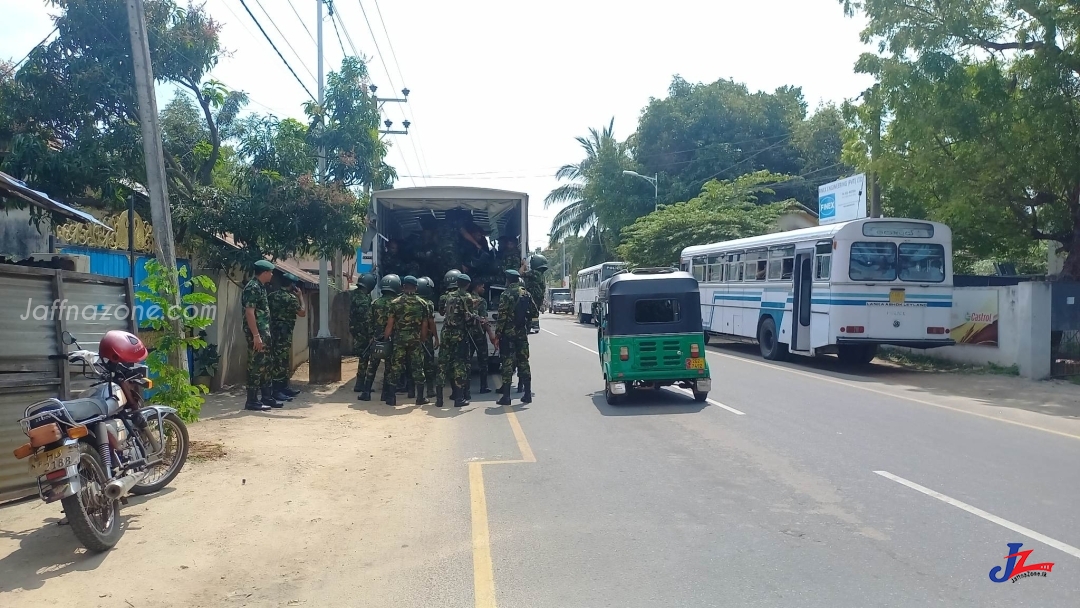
x=479, y=334
x=532, y=276
x=380, y=313
x=454, y=351
x=362, y=325
x=257, y=332
x=285, y=305
x=514, y=338
x=425, y=287
x=408, y=324
x=449, y=286
x=509, y=254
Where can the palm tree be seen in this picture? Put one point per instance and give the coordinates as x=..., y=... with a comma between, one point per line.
x=581, y=211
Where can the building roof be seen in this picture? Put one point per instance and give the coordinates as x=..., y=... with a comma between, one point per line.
x=18, y=189
x=306, y=278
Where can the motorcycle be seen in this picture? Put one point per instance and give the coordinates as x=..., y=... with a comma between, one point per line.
x=92, y=452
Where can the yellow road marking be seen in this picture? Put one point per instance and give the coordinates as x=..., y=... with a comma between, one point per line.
x=483, y=572
x=848, y=384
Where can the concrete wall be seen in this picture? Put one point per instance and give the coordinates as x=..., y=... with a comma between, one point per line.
x=19, y=237
x=1023, y=332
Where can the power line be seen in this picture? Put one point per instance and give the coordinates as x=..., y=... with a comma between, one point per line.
x=333, y=21
x=301, y=19
x=16, y=65
x=285, y=38
x=280, y=56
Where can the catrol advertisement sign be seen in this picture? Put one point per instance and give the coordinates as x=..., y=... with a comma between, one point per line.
x=975, y=317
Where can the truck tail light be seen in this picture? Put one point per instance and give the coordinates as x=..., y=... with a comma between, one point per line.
x=853, y=329
x=624, y=353
x=695, y=351
x=936, y=330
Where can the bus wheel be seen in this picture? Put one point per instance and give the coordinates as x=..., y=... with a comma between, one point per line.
x=769, y=342
x=857, y=354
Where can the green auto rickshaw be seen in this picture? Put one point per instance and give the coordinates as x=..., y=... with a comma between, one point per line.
x=649, y=333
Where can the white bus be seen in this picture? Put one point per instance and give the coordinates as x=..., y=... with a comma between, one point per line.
x=587, y=287
x=843, y=288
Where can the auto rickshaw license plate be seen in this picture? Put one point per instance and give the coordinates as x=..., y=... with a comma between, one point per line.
x=695, y=364
x=896, y=296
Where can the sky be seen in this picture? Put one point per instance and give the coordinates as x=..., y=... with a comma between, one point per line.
x=499, y=90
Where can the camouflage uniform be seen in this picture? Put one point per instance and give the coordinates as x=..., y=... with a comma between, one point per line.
x=513, y=340
x=380, y=314
x=284, y=306
x=453, y=350
x=362, y=328
x=478, y=344
x=430, y=366
x=258, y=367
x=409, y=312
x=510, y=258
x=534, y=284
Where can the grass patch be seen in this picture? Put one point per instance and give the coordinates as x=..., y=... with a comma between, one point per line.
x=204, y=451
x=926, y=363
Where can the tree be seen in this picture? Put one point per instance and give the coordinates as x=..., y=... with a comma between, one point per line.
x=595, y=194
x=982, y=102
x=719, y=131
x=724, y=210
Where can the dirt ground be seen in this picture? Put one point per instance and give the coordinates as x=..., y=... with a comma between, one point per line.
x=319, y=504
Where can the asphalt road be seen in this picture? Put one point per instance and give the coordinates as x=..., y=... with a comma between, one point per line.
x=797, y=485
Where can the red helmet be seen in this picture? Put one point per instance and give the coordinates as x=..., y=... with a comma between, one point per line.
x=121, y=347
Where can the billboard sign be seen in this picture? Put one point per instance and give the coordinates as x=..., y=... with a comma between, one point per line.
x=843, y=200
x=975, y=317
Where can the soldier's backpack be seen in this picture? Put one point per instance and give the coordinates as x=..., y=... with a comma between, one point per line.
x=521, y=310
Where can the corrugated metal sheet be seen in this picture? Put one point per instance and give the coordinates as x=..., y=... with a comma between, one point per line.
x=97, y=306
x=15, y=480
x=116, y=264
x=35, y=335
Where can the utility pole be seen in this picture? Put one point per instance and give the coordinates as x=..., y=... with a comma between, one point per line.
x=875, y=145
x=324, y=280
x=153, y=155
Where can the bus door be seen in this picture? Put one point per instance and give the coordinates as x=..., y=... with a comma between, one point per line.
x=803, y=281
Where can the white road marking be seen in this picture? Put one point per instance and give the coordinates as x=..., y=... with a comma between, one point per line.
x=1004, y=523
x=711, y=401
x=583, y=347
x=549, y=331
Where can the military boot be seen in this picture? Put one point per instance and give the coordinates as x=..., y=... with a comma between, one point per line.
x=468, y=390
x=268, y=398
x=520, y=386
x=420, y=400
x=253, y=402
x=359, y=386
x=483, y=384
x=412, y=389
x=386, y=391
x=527, y=396
x=278, y=393
x=391, y=395
x=459, y=400
x=365, y=392
x=505, y=399
x=430, y=387
x=288, y=390
x=439, y=396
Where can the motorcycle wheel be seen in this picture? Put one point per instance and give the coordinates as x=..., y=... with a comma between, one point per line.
x=94, y=519
x=172, y=460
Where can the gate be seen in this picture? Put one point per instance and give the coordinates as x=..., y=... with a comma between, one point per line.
x=1064, y=329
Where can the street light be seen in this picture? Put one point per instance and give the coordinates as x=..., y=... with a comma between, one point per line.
x=654, y=180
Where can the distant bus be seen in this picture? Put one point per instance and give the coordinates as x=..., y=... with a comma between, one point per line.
x=587, y=287
x=843, y=288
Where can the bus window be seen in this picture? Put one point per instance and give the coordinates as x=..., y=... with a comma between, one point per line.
x=823, y=262
x=699, y=263
x=873, y=262
x=734, y=268
x=756, y=262
x=924, y=263
x=716, y=269
x=781, y=263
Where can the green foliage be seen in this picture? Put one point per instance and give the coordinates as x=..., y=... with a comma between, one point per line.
x=981, y=101
x=723, y=211
x=173, y=382
x=206, y=359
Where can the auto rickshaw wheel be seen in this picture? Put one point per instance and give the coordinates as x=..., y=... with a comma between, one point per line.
x=700, y=397
x=610, y=397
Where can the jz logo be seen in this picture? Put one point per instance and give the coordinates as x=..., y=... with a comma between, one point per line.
x=1016, y=566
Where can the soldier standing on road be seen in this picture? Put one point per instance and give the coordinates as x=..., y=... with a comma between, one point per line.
x=454, y=351
x=389, y=287
x=362, y=326
x=257, y=332
x=512, y=330
x=479, y=332
x=532, y=275
x=408, y=315
x=286, y=304
x=449, y=286
x=425, y=287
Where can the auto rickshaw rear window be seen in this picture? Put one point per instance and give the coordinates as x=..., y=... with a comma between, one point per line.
x=656, y=311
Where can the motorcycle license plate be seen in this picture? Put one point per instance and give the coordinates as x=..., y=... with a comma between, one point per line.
x=695, y=364
x=54, y=460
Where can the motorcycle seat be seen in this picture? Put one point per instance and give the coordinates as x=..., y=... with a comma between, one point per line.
x=87, y=408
